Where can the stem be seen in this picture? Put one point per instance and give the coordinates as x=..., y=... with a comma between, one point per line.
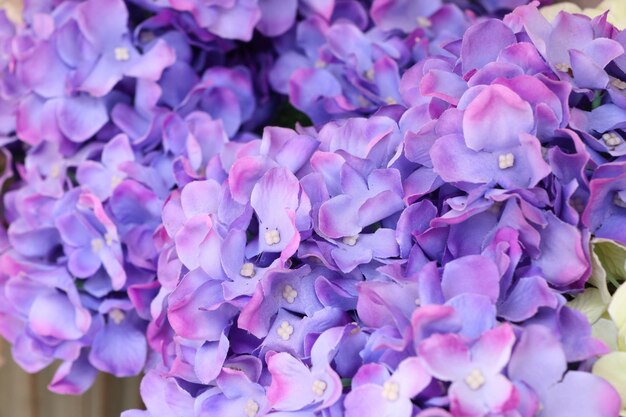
x=597, y=100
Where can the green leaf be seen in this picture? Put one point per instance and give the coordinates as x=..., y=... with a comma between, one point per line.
x=612, y=368
x=288, y=116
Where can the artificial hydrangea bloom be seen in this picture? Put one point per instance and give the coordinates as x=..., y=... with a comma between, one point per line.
x=99, y=249
x=78, y=296
x=237, y=19
x=107, y=128
x=378, y=221
x=337, y=67
x=68, y=61
x=477, y=386
x=411, y=254
x=374, y=381
x=593, y=64
x=8, y=85
x=605, y=207
x=351, y=64
x=307, y=230
x=551, y=387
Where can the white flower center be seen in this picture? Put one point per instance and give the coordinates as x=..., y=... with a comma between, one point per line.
x=272, y=237
x=369, y=74
x=563, y=67
x=247, y=270
x=289, y=294
x=121, y=54
x=116, y=315
x=319, y=387
x=611, y=139
x=96, y=245
x=424, y=22
x=252, y=408
x=55, y=171
x=320, y=64
x=475, y=379
x=115, y=181
x=285, y=330
x=391, y=101
x=391, y=391
x=108, y=238
x=506, y=160
x=350, y=240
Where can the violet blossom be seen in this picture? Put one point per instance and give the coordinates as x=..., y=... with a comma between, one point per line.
x=412, y=253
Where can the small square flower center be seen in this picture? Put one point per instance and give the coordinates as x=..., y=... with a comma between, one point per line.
x=122, y=54
x=272, y=237
x=116, y=315
x=290, y=294
x=247, y=270
x=506, y=160
x=285, y=330
x=96, y=245
x=391, y=391
x=475, y=379
x=252, y=408
x=319, y=387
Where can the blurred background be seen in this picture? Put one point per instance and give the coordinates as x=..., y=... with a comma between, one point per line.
x=24, y=395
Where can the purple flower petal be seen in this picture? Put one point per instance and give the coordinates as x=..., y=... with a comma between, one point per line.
x=80, y=117
x=471, y=275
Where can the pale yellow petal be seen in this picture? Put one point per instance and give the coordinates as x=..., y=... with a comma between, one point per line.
x=550, y=12
x=608, y=262
x=617, y=307
x=617, y=12
x=612, y=367
x=590, y=303
x=616, y=8
x=621, y=339
x=606, y=331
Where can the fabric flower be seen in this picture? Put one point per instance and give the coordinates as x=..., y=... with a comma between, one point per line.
x=605, y=204
x=376, y=391
x=554, y=393
x=478, y=387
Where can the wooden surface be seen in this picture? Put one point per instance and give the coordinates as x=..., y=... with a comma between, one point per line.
x=24, y=395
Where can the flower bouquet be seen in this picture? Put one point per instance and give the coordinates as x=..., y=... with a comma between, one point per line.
x=385, y=208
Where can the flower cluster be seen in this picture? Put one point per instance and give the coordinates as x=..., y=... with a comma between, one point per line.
x=98, y=128
x=425, y=249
